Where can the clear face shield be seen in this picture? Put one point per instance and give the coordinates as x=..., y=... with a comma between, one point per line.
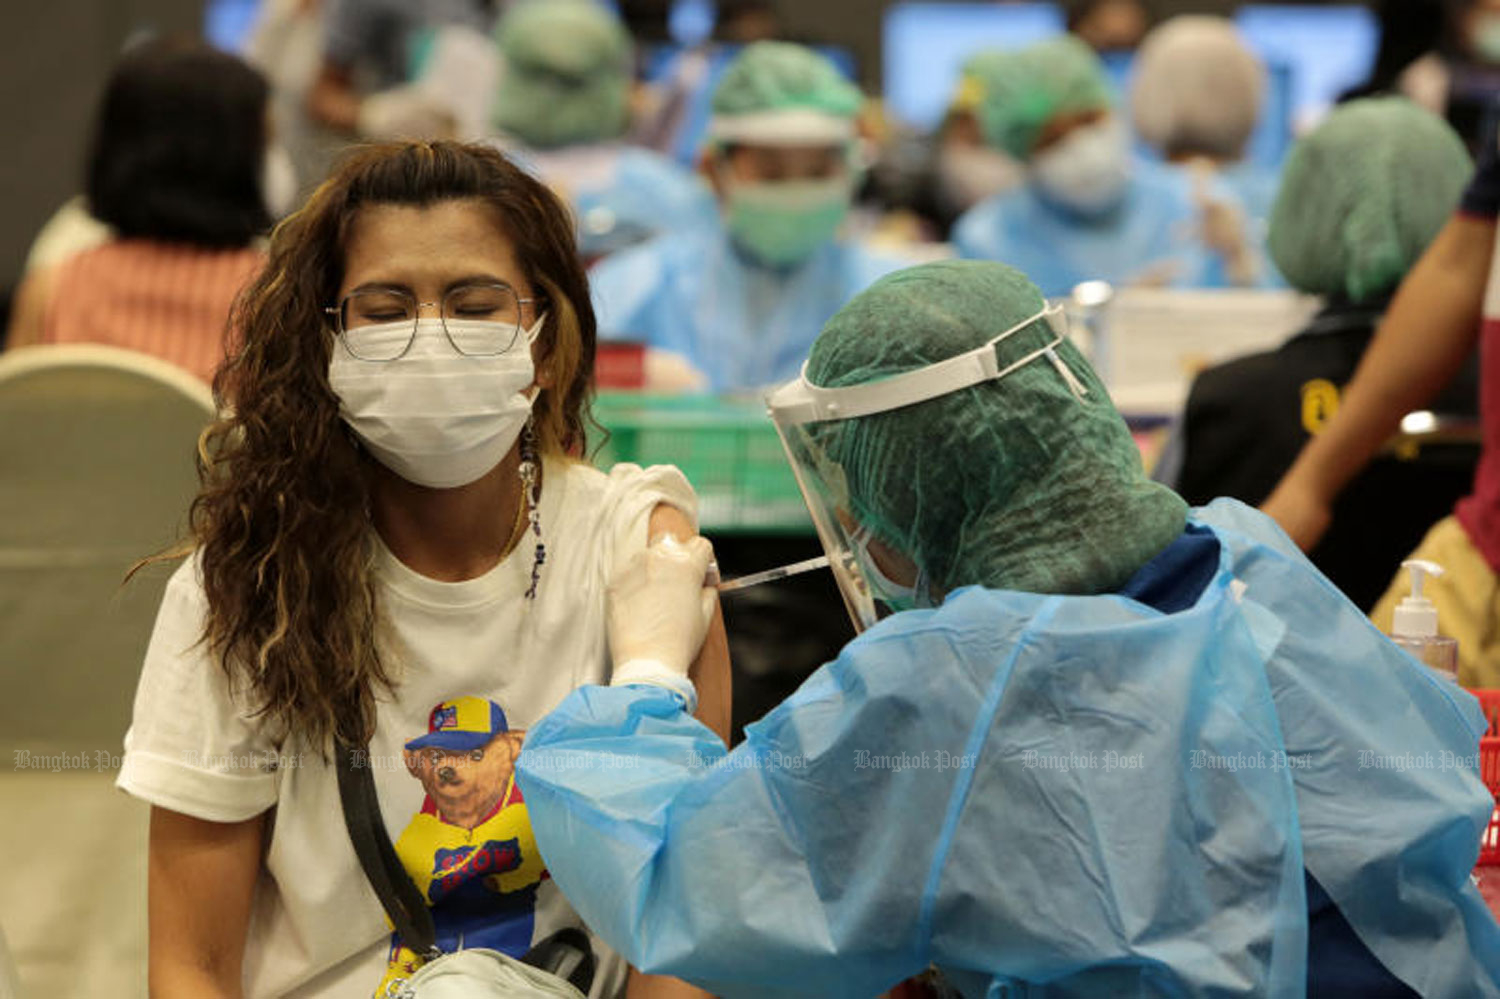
x=873, y=577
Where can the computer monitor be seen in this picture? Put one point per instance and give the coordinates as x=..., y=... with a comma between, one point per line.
x=1326, y=49
x=925, y=44
x=227, y=23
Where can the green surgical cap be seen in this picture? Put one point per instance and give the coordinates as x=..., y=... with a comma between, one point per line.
x=780, y=76
x=1363, y=194
x=566, y=73
x=1014, y=483
x=1015, y=92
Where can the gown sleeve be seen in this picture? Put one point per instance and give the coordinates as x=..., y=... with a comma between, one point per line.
x=801, y=863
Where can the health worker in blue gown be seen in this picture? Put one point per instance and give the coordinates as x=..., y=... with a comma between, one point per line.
x=1105, y=744
x=743, y=300
x=1089, y=209
x=1196, y=96
x=562, y=109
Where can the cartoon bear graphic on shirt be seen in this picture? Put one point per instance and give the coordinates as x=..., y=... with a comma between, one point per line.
x=469, y=849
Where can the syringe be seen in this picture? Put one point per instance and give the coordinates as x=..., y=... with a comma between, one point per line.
x=781, y=572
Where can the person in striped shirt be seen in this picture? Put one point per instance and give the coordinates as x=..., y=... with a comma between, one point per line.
x=175, y=171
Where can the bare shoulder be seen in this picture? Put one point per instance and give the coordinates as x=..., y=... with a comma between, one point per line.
x=668, y=519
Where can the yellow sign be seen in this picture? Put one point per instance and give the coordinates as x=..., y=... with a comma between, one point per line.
x=1320, y=400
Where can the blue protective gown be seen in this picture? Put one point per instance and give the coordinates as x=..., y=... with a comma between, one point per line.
x=621, y=195
x=743, y=325
x=1151, y=238
x=1042, y=795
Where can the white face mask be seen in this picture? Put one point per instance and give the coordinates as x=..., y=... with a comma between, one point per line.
x=1086, y=171
x=434, y=416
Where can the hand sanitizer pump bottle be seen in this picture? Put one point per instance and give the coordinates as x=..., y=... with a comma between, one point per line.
x=1414, y=626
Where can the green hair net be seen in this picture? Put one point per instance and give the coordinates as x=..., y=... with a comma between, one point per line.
x=566, y=73
x=1363, y=194
x=1015, y=92
x=781, y=76
x=1014, y=483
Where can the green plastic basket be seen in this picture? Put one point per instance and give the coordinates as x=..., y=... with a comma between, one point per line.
x=727, y=448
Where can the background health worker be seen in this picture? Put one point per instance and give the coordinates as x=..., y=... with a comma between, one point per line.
x=1090, y=210
x=1362, y=196
x=1195, y=98
x=1442, y=311
x=562, y=108
x=742, y=300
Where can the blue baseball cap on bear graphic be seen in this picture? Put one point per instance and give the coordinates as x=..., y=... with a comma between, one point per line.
x=462, y=724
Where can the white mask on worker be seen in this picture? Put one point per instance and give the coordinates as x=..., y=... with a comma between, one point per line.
x=1088, y=169
x=434, y=416
x=278, y=182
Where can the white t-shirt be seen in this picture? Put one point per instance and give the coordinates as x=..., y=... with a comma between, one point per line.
x=483, y=664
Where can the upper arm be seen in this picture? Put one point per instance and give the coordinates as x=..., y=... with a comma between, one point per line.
x=1463, y=249
x=210, y=773
x=710, y=671
x=29, y=312
x=201, y=880
x=1438, y=304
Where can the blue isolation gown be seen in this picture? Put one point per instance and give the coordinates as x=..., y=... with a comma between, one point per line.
x=620, y=194
x=1042, y=796
x=743, y=325
x=1249, y=190
x=1150, y=238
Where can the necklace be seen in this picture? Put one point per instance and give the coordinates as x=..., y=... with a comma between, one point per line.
x=518, y=530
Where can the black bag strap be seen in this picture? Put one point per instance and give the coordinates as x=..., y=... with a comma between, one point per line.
x=553, y=955
x=398, y=894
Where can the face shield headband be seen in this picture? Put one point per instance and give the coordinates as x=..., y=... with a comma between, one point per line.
x=795, y=406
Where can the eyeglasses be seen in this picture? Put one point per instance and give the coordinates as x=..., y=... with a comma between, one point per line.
x=480, y=320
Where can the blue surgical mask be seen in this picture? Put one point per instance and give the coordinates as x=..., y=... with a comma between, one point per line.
x=1087, y=170
x=897, y=596
x=783, y=223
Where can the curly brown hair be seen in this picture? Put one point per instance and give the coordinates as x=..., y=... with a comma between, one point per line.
x=281, y=521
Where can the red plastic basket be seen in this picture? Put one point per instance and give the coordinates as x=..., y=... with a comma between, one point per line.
x=619, y=365
x=1489, y=771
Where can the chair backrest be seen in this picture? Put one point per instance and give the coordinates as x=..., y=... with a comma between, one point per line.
x=97, y=469
x=10, y=987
